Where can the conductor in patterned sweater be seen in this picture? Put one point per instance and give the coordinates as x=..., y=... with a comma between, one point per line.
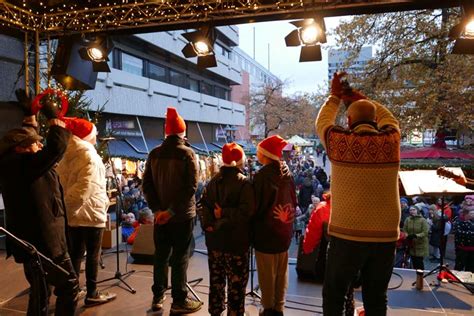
x=365, y=210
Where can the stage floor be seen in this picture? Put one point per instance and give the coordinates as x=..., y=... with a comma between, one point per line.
x=303, y=298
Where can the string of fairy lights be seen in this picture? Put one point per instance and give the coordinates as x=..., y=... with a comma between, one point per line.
x=74, y=18
x=93, y=16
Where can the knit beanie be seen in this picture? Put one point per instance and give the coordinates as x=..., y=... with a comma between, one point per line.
x=272, y=147
x=81, y=128
x=174, y=124
x=404, y=200
x=232, y=155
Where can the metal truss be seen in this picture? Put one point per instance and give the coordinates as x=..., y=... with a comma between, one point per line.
x=157, y=15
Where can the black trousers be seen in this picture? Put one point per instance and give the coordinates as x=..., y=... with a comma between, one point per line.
x=40, y=289
x=172, y=241
x=345, y=259
x=418, y=263
x=464, y=260
x=86, y=239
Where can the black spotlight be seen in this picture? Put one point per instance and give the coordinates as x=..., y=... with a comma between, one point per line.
x=309, y=34
x=78, y=61
x=463, y=33
x=201, y=45
x=96, y=49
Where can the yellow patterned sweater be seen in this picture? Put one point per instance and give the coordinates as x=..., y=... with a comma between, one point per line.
x=365, y=204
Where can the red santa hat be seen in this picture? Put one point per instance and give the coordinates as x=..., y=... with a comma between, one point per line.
x=272, y=147
x=174, y=124
x=232, y=155
x=81, y=128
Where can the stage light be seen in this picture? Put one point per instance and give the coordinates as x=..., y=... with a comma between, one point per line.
x=96, y=49
x=309, y=34
x=469, y=29
x=463, y=33
x=95, y=54
x=200, y=45
x=201, y=48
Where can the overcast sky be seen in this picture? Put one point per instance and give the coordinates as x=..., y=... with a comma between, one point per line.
x=302, y=77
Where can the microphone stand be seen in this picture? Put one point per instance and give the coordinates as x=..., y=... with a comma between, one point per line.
x=118, y=208
x=253, y=289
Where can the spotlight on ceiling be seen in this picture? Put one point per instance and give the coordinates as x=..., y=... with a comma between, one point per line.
x=309, y=34
x=201, y=43
x=96, y=49
x=463, y=33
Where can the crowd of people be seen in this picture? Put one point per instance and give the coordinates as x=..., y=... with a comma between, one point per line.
x=355, y=216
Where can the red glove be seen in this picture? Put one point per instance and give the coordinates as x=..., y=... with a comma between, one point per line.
x=336, y=86
x=353, y=96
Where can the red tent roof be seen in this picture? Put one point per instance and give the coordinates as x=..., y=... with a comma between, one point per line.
x=432, y=152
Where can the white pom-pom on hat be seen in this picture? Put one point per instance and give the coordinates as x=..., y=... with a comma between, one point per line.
x=232, y=155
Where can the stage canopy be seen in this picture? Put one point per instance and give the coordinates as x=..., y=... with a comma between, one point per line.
x=61, y=18
x=299, y=141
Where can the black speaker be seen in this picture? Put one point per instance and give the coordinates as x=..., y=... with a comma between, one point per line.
x=70, y=69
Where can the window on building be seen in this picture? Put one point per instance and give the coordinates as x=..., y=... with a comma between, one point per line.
x=221, y=93
x=221, y=50
x=157, y=72
x=194, y=84
x=179, y=79
x=132, y=64
x=206, y=88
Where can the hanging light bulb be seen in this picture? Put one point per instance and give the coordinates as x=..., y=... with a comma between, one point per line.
x=201, y=48
x=309, y=34
x=469, y=28
x=95, y=54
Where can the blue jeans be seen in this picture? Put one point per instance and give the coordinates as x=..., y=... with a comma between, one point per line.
x=345, y=258
x=172, y=242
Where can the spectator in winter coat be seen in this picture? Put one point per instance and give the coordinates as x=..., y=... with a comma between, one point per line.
x=82, y=175
x=273, y=223
x=416, y=228
x=227, y=204
x=464, y=237
x=169, y=184
x=405, y=211
x=365, y=205
x=319, y=218
x=34, y=206
x=304, y=196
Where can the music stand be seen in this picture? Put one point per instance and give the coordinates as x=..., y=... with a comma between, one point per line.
x=118, y=274
x=428, y=183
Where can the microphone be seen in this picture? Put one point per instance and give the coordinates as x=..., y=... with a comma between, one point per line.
x=106, y=139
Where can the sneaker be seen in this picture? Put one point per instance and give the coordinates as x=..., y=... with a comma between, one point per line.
x=99, y=298
x=187, y=307
x=82, y=293
x=157, y=303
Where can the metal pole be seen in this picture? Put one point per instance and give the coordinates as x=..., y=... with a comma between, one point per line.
x=202, y=137
x=27, y=66
x=268, y=57
x=48, y=58
x=254, y=42
x=143, y=136
x=37, y=63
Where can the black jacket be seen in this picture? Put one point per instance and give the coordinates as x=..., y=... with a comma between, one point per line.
x=170, y=179
x=33, y=197
x=274, y=189
x=231, y=190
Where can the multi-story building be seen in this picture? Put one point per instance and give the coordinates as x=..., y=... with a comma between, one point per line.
x=149, y=73
x=337, y=61
x=254, y=76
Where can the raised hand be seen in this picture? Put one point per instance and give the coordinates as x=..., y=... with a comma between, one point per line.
x=24, y=102
x=336, y=84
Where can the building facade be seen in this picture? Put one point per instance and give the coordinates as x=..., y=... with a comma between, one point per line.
x=337, y=61
x=150, y=73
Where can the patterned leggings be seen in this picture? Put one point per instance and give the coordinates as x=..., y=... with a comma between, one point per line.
x=233, y=269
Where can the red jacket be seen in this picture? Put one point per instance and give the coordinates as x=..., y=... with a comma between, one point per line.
x=314, y=230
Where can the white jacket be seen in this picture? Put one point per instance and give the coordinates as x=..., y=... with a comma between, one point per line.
x=82, y=175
